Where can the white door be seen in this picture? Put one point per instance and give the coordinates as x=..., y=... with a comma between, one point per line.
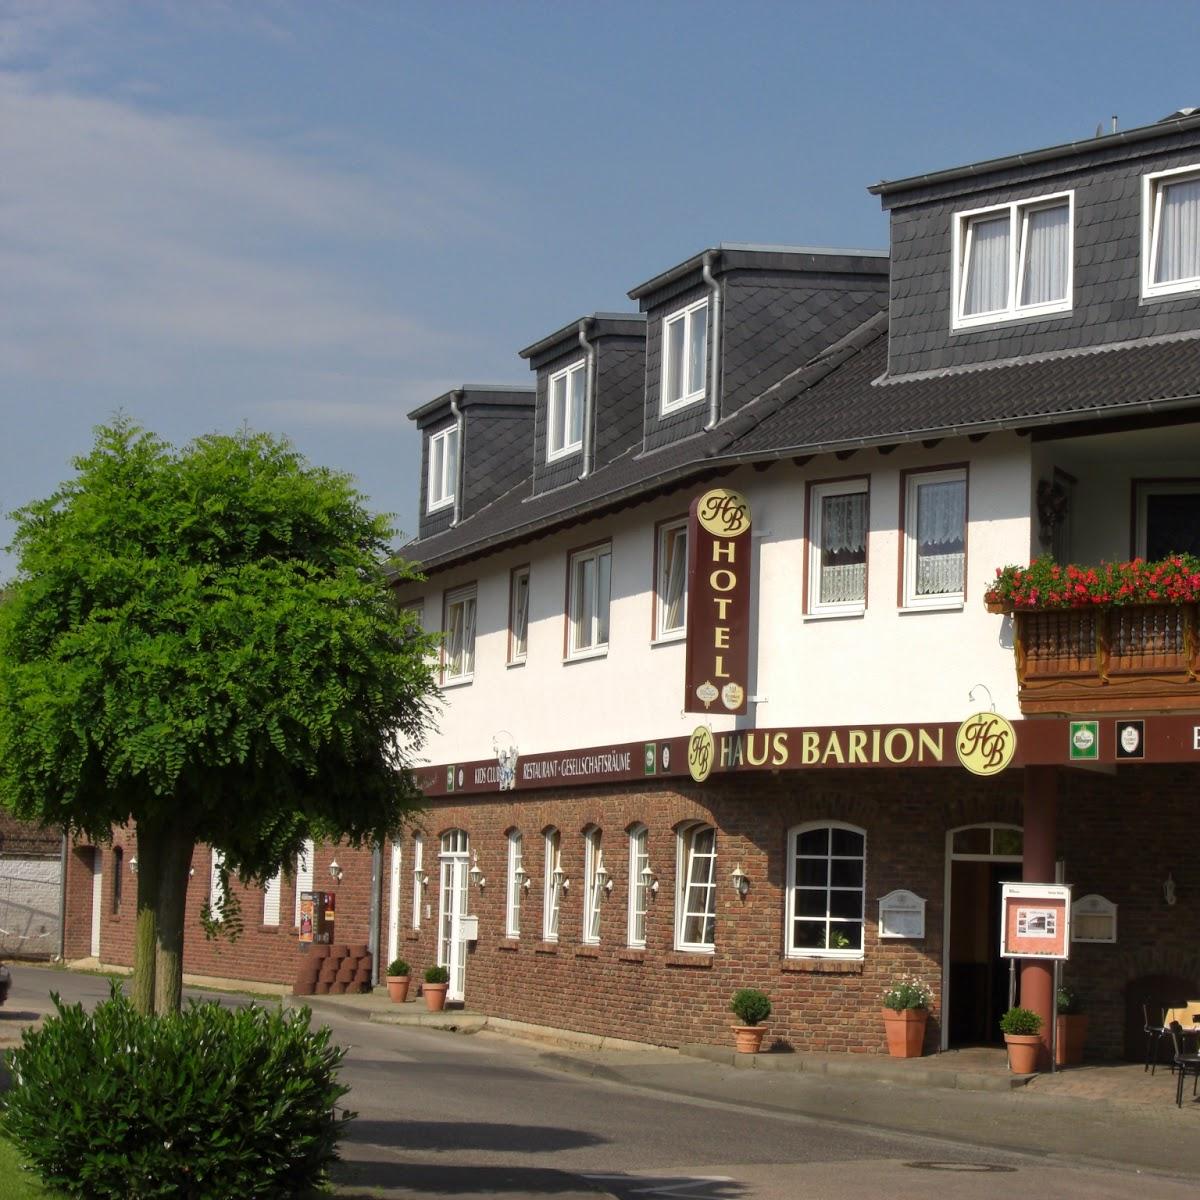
x=452, y=907
x=97, y=896
x=393, y=940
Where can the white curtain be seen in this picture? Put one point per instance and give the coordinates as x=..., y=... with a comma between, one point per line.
x=520, y=615
x=558, y=414
x=843, y=584
x=271, y=900
x=844, y=523
x=941, y=519
x=1178, y=232
x=986, y=286
x=602, y=591
x=450, y=479
x=674, y=581
x=1047, y=246
x=675, y=384
x=939, y=574
x=698, y=349
x=578, y=385
x=468, y=646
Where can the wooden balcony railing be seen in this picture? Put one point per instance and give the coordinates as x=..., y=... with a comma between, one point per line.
x=1129, y=659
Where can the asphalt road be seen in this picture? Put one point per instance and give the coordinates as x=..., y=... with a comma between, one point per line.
x=442, y=1115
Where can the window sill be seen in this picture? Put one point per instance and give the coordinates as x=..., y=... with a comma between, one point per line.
x=631, y=955
x=440, y=506
x=546, y=948
x=587, y=952
x=1170, y=291
x=585, y=655
x=993, y=319
x=413, y=935
x=508, y=945
x=516, y=662
x=557, y=456
x=844, y=615
x=268, y=929
x=947, y=606
x=463, y=681
x=821, y=966
x=670, y=639
x=668, y=408
x=700, y=959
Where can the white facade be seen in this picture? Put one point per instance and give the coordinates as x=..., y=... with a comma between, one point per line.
x=885, y=665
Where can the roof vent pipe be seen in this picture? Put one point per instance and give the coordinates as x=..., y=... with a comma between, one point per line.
x=714, y=309
x=455, y=397
x=589, y=396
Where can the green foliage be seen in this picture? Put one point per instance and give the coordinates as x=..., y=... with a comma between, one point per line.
x=750, y=1005
x=397, y=967
x=437, y=975
x=209, y=635
x=907, y=993
x=204, y=1103
x=1068, y=1002
x=1021, y=1021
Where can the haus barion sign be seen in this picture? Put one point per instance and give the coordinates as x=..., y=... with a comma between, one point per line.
x=717, y=660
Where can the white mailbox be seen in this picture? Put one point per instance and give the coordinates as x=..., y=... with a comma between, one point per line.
x=901, y=915
x=468, y=928
x=1093, y=919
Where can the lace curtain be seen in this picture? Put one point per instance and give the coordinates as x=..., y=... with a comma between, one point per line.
x=986, y=286
x=1047, y=242
x=1178, y=232
x=844, y=523
x=941, y=518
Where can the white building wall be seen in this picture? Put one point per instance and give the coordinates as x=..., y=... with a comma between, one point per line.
x=885, y=666
x=30, y=906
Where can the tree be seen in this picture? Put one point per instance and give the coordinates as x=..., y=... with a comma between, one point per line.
x=205, y=642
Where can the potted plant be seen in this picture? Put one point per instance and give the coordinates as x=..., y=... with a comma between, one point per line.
x=905, y=1012
x=1072, y=1029
x=397, y=980
x=750, y=1006
x=1022, y=1028
x=437, y=984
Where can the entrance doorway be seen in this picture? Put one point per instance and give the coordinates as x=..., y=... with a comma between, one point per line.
x=452, y=907
x=975, y=979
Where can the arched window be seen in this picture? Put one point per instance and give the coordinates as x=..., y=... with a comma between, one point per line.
x=552, y=886
x=639, y=885
x=826, y=875
x=516, y=883
x=594, y=878
x=696, y=888
x=418, y=878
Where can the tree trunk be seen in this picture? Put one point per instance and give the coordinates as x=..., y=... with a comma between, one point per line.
x=176, y=861
x=149, y=864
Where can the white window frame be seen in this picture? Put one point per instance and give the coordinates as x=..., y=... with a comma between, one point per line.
x=1018, y=212
x=517, y=657
x=418, y=893
x=793, y=839
x=685, y=840
x=912, y=481
x=516, y=882
x=593, y=893
x=818, y=492
x=216, y=892
x=271, y=893
x=468, y=597
x=1152, y=189
x=551, y=887
x=304, y=874
x=688, y=315
x=567, y=376
x=639, y=891
x=662, y=561
x=593, y=648
x=439, y=444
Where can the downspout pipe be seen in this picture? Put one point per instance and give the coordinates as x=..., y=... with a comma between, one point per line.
x=714, y=309
x=589, y=397
x=455, y=397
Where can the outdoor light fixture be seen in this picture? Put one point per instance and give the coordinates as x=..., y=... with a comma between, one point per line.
x=603, y=878
x=740, y=880
x=558, y=879
x=133, y=865
x=335, y=871
x=648, y=880
x=475, y=873
x=1169, y=889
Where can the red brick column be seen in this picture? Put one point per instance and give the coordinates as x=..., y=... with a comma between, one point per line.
x=1040, y=856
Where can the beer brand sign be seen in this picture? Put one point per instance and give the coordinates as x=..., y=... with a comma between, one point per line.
x=718, y=610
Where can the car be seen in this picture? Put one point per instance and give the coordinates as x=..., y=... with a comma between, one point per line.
x=5, y=982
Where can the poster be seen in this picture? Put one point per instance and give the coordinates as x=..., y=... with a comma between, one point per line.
x=1036, y=920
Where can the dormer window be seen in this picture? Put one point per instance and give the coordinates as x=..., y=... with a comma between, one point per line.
x=685, y=355
x=564, y=416
x=1013, y=261
x=443, y=468
x=1171, y=232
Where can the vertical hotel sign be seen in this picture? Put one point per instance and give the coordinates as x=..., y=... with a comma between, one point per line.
x=718, y=609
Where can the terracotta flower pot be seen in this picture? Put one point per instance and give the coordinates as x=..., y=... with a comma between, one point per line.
x=1072, y=1032
x=435, y=996
x=1023, y=1051
x=397, y=986
x=749, y=1038
x=905, y=1029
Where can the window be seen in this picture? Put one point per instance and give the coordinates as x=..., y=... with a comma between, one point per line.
x=516, y=882
x=587, y=605
x=271, y=899
x=935, y=538
x=685, y=356
x=518, y=615
x=552, y=898
x=1013, y=261
x=564, y=411
x=825, y=891
x=458, y=646
x=443, y=468
x=418, y=878
x=1167, y=513
x=594, y=879
x=696, y=890
x=670, y=583
x=1171, y=232
x=216, y=887
x=837, y=548
x=639, y=885
x=118, y=858
x=304, y=874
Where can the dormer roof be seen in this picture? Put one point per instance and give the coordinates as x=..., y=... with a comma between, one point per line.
x=479, y=394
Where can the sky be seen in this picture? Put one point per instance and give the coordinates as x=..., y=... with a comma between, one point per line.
x=310, y=218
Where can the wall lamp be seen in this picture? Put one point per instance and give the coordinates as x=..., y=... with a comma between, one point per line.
x=559, y=880
x=648, y=880
x=522, y=878
x=335, y=871
x=740, y=880
x=603, y=878
x=133, y=865
x=475, y=874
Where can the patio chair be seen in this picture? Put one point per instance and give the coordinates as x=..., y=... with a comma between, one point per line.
x=1155, y=1031
x=1187, y=1064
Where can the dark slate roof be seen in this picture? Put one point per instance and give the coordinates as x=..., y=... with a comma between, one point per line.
x=842, y=400
x=476, y=393
x=600, y=324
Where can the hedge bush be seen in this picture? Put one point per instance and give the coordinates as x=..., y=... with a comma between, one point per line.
x=205, y=1104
